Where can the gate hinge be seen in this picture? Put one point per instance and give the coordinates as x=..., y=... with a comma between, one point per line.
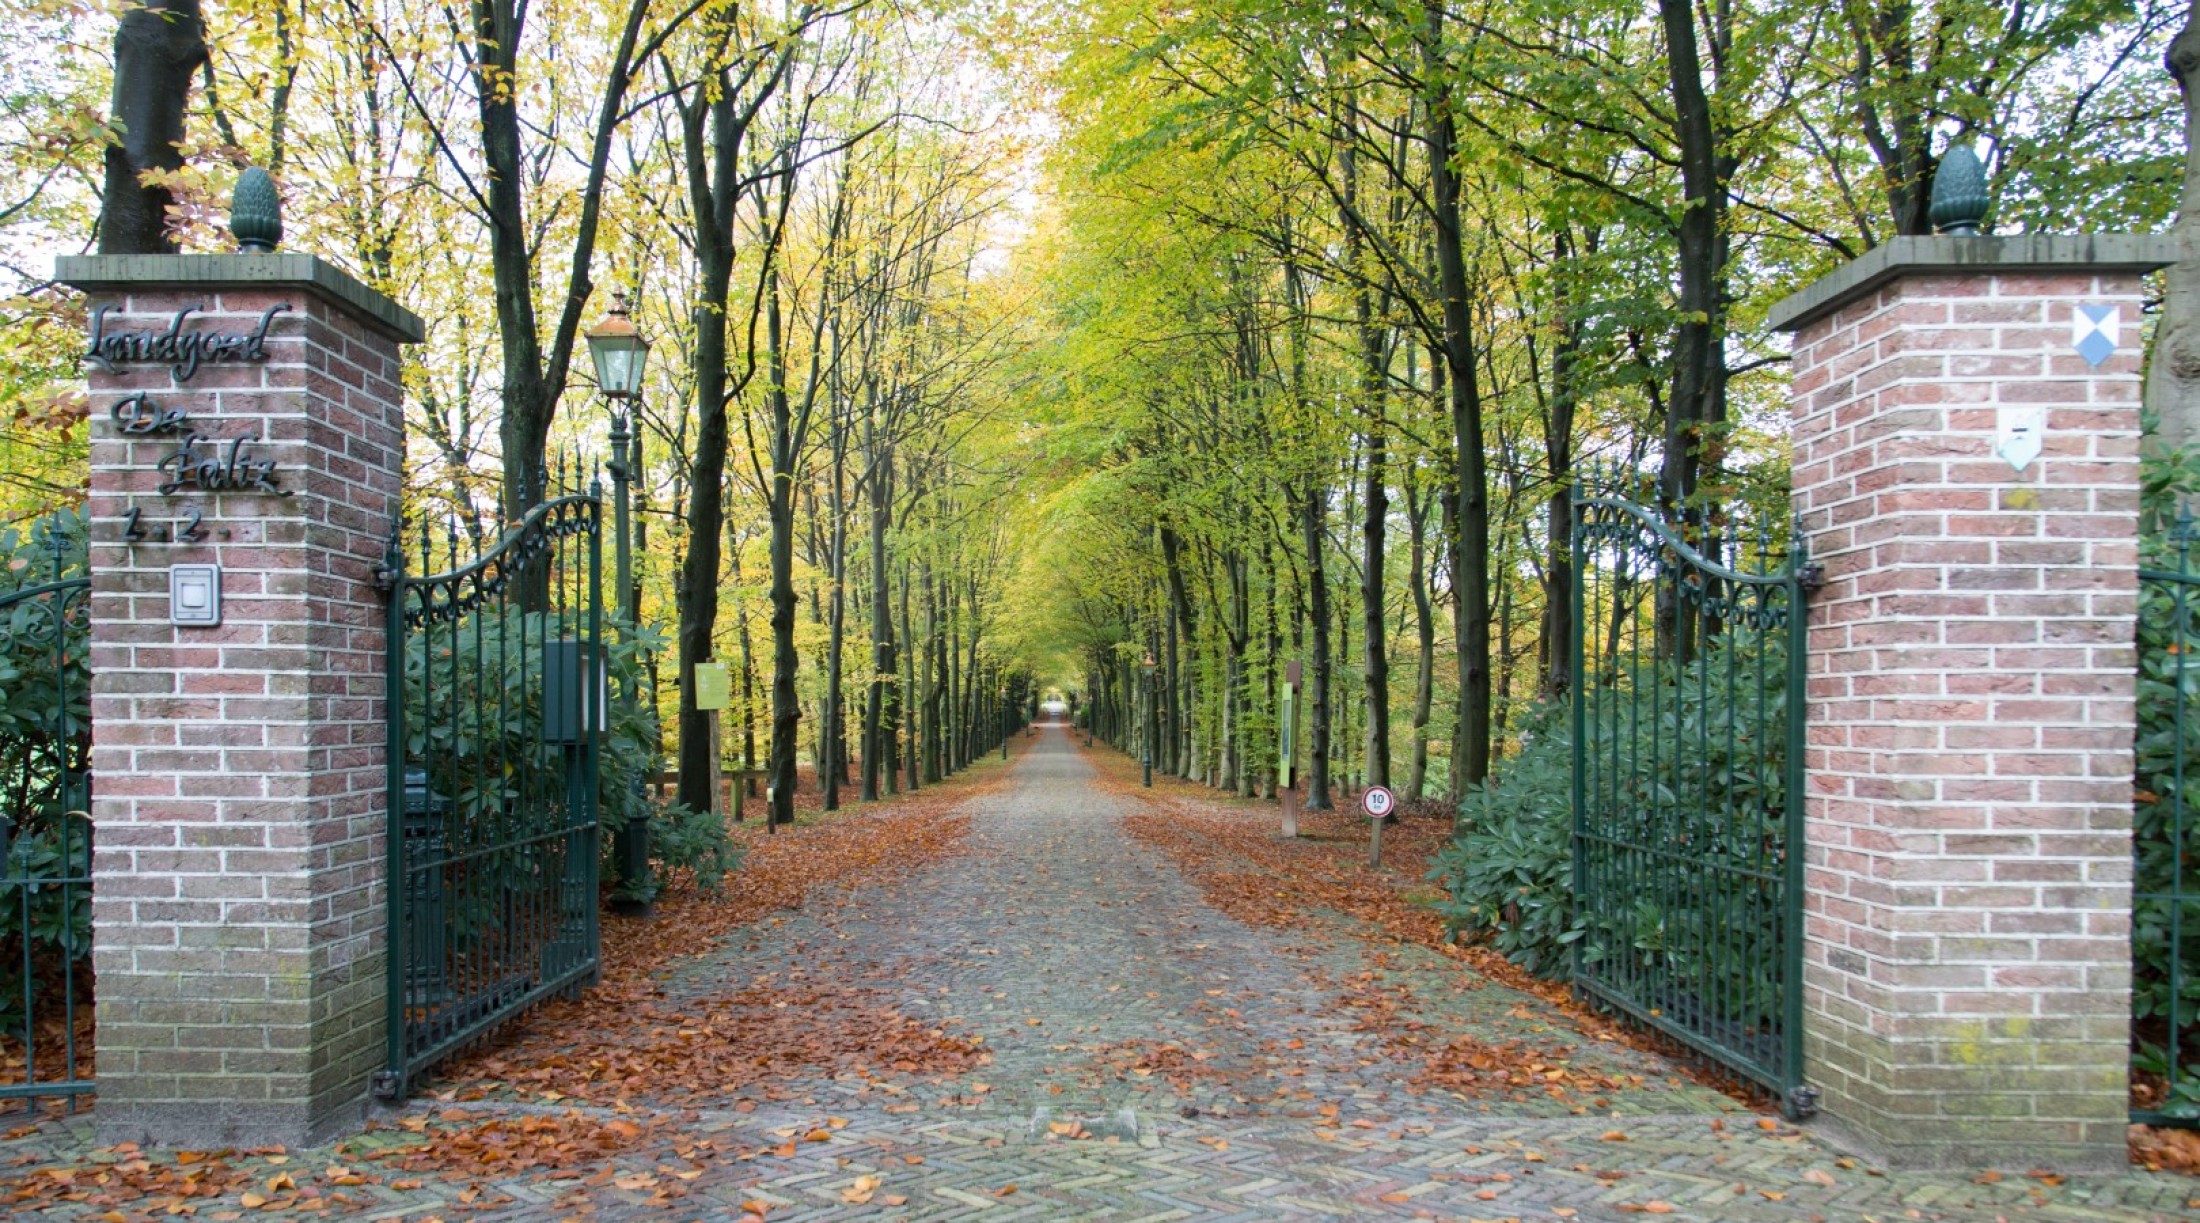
x=1811, y=577
x=1802, y=1103
x=388, y=1085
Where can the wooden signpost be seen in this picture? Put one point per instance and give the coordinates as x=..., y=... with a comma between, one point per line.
x=1377, y=802
x=713, y=693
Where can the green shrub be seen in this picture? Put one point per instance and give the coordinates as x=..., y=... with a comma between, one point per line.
x=2165, y=943
x=45, y=757
x=1508, y=870
x=484, y=753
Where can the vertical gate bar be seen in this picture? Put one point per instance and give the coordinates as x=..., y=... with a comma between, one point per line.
x=1702, y=846
x=593, y=788
x=1722, y=936
x=567, y=917
x=1641, y=972
x=68, y=903
x=30, y=987
x=2180, y=633
x=398, y=884
x=499, y=604
x=1664, y=800
x=558, y=846
x=1609, y=861
x=484, y=692
x=59, y=601
x=1794, y=840
x=1759, y=828
x=1583, y=576
x=1605, y=862
x=534, y=677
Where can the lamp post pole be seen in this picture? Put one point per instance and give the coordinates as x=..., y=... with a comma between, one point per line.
x=619, y=353
x=622, y=479
x=638, y=892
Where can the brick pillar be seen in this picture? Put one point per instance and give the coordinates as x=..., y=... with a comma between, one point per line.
x=1967, y=949
x=239, y=784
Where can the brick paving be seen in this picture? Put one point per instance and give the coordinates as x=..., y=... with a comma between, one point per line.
x=1151, y=1058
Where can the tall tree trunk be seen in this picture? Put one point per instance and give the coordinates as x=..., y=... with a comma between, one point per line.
x=1697, y=411
x=2173, y=373
x=1319, y=685
x=830, y=762
x=1240, y=771
x=1558, y=458
x=534, y=373
x=1424, y=624
x=1375, y=649
x=1471, y=540
x=1504, y=660
x=785, y=455
x=877, y=778
x=905, y=711
x=1271, y=668
x=158, y=46
x=1891, y=109
x=1172, y=708
x=712, y=162
x=1341, y=737
x=935, y=683
x=1172, y=560
x=1697, y=405
x=1374, y=385
x=748, y=682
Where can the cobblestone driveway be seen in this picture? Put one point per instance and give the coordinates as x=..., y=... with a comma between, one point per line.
x=1153, y=1058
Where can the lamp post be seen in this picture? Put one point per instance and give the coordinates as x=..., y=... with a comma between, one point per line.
x=1146, y=729
x=619, y=353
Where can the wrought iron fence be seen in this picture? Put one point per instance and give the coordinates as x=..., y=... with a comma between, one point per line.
x=2165, y=926
x=45, y=821
x=497, y=698
x=1688, y=820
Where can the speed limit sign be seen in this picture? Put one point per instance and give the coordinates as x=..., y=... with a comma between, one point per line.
x=1378, y=801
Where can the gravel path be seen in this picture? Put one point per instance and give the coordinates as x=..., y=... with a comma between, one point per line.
x=1082, y=958
x=1151, y=1057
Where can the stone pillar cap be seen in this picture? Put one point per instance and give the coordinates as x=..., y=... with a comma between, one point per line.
x=283, y=270
x=1943, y=254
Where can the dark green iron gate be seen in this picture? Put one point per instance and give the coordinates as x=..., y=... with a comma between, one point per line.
x=45, y=816
x=1688, y=819
x=497, y=697
x=2165, y=919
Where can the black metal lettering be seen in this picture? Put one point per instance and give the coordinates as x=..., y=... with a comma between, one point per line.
x=177, y=464
x=184, y=352
x=138, y=416
x=255, y=345
x=184, y=356
x=234, y=471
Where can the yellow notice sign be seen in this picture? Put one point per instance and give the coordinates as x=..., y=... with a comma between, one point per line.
x=713, y=686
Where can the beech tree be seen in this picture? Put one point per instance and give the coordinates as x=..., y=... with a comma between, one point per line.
x=160, y=45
